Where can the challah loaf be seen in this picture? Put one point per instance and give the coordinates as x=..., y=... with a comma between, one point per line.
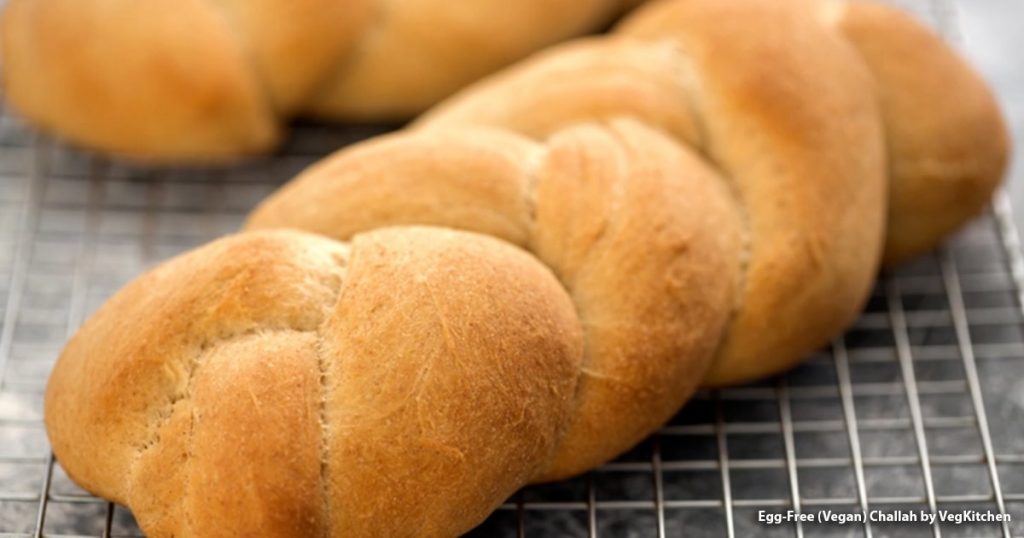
x=701, y=198
x=807, y=126
x=282, y=384
x=200, y=80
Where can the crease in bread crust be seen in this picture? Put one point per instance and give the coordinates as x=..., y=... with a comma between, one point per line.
x=689, y=78
x=584, y=371
x=319, y=347
x=532, y=166
x=614, y=201
x=324, y=387
x=325, y=502
x=248, y=56
x=193, y=366
x=380, y=13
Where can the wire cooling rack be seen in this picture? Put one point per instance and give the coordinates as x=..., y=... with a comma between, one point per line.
x=917, y=407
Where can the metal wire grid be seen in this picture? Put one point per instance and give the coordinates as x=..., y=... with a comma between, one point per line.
x=918, y=406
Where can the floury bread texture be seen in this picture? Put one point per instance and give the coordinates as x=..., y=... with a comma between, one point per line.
x=700, y=197
x=206, y=80
x=815, y=117
x=283, y=384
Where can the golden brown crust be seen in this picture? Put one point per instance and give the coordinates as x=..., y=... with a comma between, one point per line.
x=210, y=80
x=811, y=187
x=255, y=406
x=138, y=78
x=791, y=111
x=702, y=199
x=621, y=218
x=133, y=360
x=947, y=143
x=295, y=386
x=417, y=52
x=601, y=206
x=475, y=179
x=459, y=358
x=791, y=117
x=292, y=46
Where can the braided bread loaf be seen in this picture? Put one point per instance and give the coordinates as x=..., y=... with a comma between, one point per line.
x=199, y=80
x=698, y=198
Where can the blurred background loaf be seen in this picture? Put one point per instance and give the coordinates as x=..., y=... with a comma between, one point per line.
x=202, y=80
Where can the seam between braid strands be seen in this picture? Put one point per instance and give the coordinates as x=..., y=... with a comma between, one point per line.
x=689, y=79
x=153, y=437
x=248, y=57
x=192, y=367
x=380, y=15
x=342, y=262
x=583, y=372
x=322, y=415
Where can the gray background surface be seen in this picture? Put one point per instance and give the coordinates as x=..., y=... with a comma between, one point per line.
x=993, y=38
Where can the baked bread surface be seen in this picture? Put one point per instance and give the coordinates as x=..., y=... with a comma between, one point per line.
x=845, y=134
x=283, y=384
x=703, y=197
x=210, y=80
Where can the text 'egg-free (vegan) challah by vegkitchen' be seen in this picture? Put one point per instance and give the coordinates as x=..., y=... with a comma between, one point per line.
x=530, y=279
x=206, y=80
